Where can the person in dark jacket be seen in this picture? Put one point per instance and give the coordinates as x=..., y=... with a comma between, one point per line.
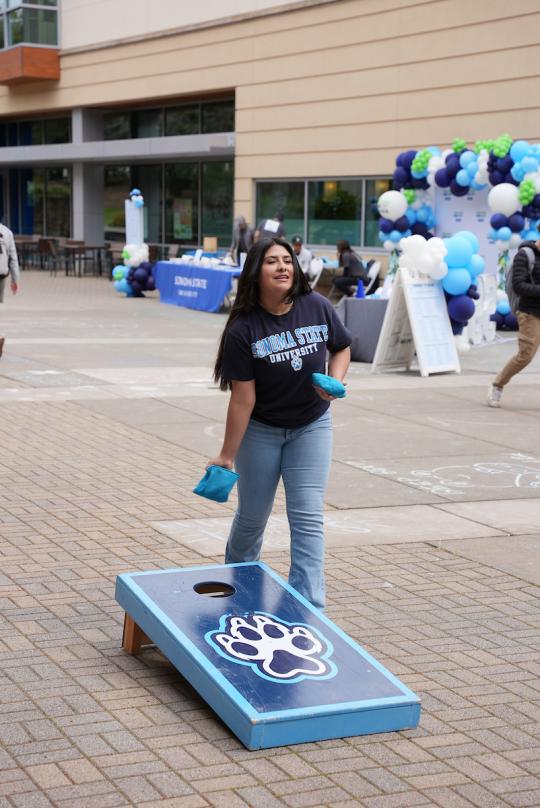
x=527, y=285
x=353, y=269
x=242, y=238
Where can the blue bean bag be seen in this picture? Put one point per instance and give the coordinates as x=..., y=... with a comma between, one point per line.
x=216, y=483
x=329, y=385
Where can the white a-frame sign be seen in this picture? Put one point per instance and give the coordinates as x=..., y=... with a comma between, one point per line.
x=416, y=321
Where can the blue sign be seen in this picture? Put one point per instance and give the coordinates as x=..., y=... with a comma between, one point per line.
x=192, y=286
x=274, y=667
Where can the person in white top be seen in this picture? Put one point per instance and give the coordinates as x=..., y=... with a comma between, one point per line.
x=9, y=266
x=303, y=255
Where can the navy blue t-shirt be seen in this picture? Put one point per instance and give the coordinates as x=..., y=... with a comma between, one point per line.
x=280, y=352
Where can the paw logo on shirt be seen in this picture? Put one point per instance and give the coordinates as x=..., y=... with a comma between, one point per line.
x=296, y=363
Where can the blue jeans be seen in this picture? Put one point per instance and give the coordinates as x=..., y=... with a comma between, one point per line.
x=302, y=457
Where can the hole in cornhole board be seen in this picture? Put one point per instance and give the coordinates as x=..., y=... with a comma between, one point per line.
x=214, y=589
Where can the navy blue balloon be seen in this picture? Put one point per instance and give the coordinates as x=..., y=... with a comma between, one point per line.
x=420, y=229
x=452, y=165
x=401, y=224
x=400, y=178
x=473, y=292
x=504, y=164
x=419, y=183
x=141, y=276
x=528, y=211
x=510, y=321
x=386, y=225
x=441, y=178
x=457, y=328
x=461, y=308
x=498, y=220
x=407, y=158
x=516, y=222
x=457, y=189
x=511, y=179
x=498, y=319
x=495, y=177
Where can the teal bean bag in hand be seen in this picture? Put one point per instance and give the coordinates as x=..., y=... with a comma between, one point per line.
x=330, y=385
x=216, y=483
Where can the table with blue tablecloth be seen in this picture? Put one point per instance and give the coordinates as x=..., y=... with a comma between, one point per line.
x=194, y=286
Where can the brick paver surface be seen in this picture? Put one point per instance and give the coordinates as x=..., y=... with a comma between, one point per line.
x=85, y=725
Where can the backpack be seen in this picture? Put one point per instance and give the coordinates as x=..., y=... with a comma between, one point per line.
x=513, y=298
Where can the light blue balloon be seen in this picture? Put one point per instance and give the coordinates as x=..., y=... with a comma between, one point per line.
x=395, y=236
x=471, y=238
x=462, y=178
x=411, y=215
x=529, y=164
x=492, y=234
x=138, y=203
x=517, y=172
x=459, y=251
x=434, y=150
x=466, y=158
x=382, y=236
x=472, y=168
x=504, y=233
x=418, y=174
x=476, y=265
x=531, y=235
x=457, y=281
x=478, y=186
x=123, y=286
x=519, y=150
x=422, y=214
x=117, y=285
x=503, y=307
x=135, y=192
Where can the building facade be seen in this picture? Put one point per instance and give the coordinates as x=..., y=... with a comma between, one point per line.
x=245, y=107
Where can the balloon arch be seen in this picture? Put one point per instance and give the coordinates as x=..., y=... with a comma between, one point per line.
x=508, y=169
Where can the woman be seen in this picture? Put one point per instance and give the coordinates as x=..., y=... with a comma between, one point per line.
x=278, y=424
x=353, y=269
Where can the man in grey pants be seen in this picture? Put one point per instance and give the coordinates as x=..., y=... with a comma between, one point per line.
x=9, y=266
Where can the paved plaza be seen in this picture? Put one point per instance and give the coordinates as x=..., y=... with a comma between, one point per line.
x=433, y=559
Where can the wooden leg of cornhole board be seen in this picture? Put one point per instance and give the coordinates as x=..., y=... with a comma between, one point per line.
x=133, y=636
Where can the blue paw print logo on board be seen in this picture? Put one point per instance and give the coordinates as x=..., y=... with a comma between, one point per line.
x=273, y=648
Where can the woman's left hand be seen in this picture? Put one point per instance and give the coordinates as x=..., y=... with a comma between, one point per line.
x=323, y=394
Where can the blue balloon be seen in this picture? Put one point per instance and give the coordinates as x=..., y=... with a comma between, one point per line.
x=519, y=150
x=401, y=224
x=476, y=265
x=461, y=308
x=395, y=236
x=517, y=172
x=471, y=238
x=471, y=169
x=117, y=285
x=460, y=251
x=498, y=220
x=516, y=223
x=422, y=214
x=503, y=307
x=462, y=178
x=504, y=233
x=441, y=178
x=386, y=225
x=529, y=165
x=411, y=215
x=382, y=236
x=457, y=281
x=492, y=234
x=138, y=203
x=434, y=150
x=467, y=157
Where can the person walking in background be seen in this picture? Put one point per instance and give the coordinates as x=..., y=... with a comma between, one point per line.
x=9, y=267
x=303, y=255
x=526, y=284
x=353, y=270
x=278, y=424
x=271, y=228
x=242, y=238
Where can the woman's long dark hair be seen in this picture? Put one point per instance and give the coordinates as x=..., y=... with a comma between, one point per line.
x=247, y=296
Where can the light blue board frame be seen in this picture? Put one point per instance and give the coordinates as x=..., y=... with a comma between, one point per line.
x=258, y=730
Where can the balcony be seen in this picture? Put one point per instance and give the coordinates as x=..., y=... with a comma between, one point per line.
x=24, y=63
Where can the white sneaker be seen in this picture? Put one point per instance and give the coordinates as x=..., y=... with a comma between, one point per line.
x=494, y=396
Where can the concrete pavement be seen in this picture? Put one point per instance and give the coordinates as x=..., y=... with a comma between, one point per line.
x=433, y=515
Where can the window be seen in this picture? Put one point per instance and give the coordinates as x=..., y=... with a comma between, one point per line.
x=182, y=203
x=218, y=117
x=183, y=120
x=374, y=188
x=186, y=119
x=325, y=211
x=116, y=126
x=58, y=202
x=117, y=185
x=35, y=132
x=217, y=201
x=284, y=197
x=41, y=200
x=31, y=25
x=334, y=211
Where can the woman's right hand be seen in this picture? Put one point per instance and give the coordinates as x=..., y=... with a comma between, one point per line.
x=224, y=462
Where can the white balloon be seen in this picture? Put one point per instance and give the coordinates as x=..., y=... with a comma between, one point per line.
x=501, y=295
x=392, y=205
x=439, y=271
x=504, y=198
x=515, y=241
x=404, y=261
x=437, y=246
x=414, y=245
x=424, y=264
x=388, y=245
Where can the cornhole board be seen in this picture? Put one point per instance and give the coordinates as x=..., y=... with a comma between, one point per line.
x=274, y=668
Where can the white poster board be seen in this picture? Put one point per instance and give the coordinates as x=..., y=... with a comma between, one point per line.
x=416, y=321
x=134, y=223
x=469, y=212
